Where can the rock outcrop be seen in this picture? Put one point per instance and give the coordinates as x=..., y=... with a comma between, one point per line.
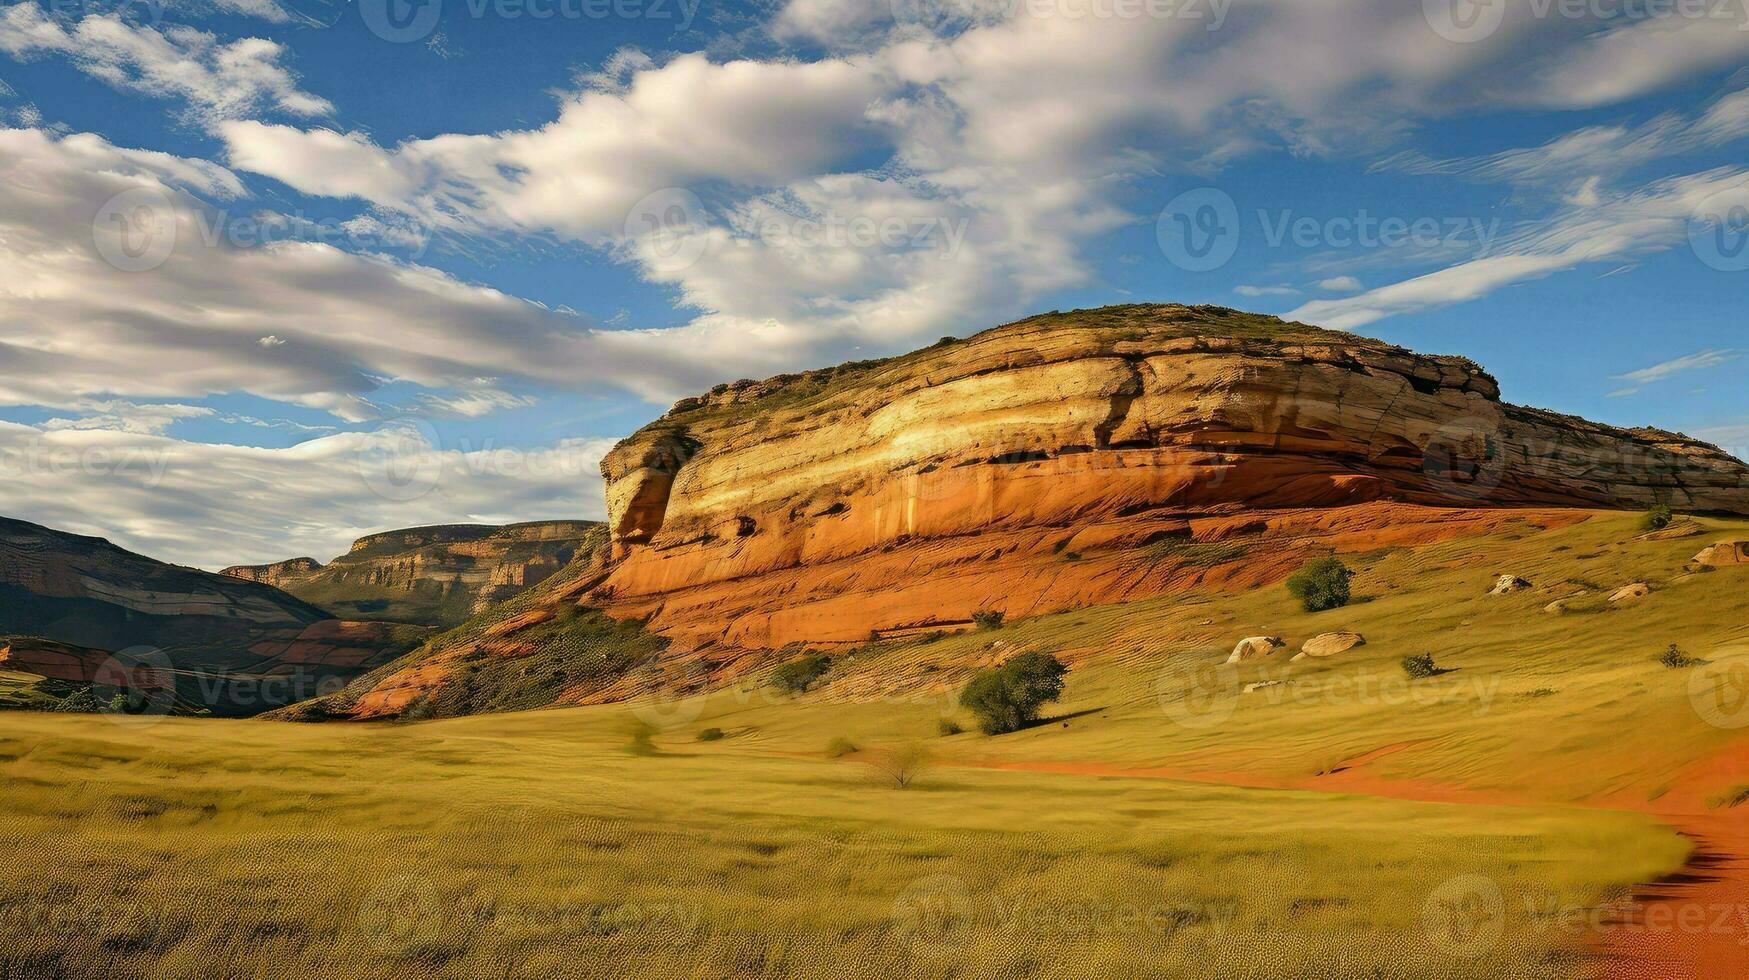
x=1330, y=644
x=819, y=507
x=432, y=576
x=279, y=574
x=1724, y=553
x=1253, y=647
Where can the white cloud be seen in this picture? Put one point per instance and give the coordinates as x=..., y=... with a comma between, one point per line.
x=1585, y=155
x=1692, y=362
x=1652, y=219
x=123, y=416
x=1340, y=284
x=1257, y=291
x=1640, y=57
x=302, y=322
x=214, y=505
x=218, y=80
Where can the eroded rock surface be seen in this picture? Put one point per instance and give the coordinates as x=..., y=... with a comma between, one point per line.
x=824, y=506
x=435, y=576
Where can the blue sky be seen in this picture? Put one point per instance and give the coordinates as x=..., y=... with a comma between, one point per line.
x=273, y=275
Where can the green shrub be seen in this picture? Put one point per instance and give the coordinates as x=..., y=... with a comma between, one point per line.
x=1008, y=698
x=947, y=726
x=1657, y=519
x=1321, y=585
x=711, y=735
x=78, y=702
x=988, y=619
x=1419, y=665
x=1676, y=658
x=799, y=675
x=839, y=748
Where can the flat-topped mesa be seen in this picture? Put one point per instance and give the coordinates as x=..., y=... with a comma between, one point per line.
x=276, y=574
x=434, y=576
x=1070, y=418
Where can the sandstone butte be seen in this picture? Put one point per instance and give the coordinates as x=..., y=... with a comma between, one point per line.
x=1024, y=470
x=1060, y=462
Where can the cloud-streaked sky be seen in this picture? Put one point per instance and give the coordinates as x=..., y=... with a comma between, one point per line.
x=292, y=257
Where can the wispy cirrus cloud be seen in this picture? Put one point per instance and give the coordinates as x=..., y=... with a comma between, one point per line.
x=1680, y=365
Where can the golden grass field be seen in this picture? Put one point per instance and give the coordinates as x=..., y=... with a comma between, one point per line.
x=609, y=840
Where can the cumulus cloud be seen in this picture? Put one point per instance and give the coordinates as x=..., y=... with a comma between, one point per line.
x=303, y=322
x=210, y=505
x=218, y=80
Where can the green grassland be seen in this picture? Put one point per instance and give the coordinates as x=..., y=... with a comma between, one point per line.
x=612, y=841
x=556, y=843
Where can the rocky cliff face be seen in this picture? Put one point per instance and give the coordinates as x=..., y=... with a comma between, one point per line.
x=238, y=647
x=437, y=576
x=279, y=574
x=825, y=506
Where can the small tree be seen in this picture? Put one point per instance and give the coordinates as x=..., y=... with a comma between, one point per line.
x=898, y=767
x=799, y=675
x=1419, y=665
x=1321, y=585
x=1676, y=658
x=1657, y=519
x=988, y=619
x=1008, y=698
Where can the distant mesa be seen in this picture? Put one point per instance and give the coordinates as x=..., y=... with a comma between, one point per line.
x=428, y=576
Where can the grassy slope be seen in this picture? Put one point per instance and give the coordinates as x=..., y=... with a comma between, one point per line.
x=578, y=842
x=547, y=844
x=1555, y=706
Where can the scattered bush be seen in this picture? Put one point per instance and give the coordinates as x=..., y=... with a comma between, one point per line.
x=78, y=702
x=1008, y=698
x=898, y=767
x=1657, y=519
x=1071, y=556
x=1419, y=665
x=1321, y=585
x=947, y=726
x=988, y=619
x=799, y=675
x=1676, y=658
x=840, y=747
x=711, y=735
